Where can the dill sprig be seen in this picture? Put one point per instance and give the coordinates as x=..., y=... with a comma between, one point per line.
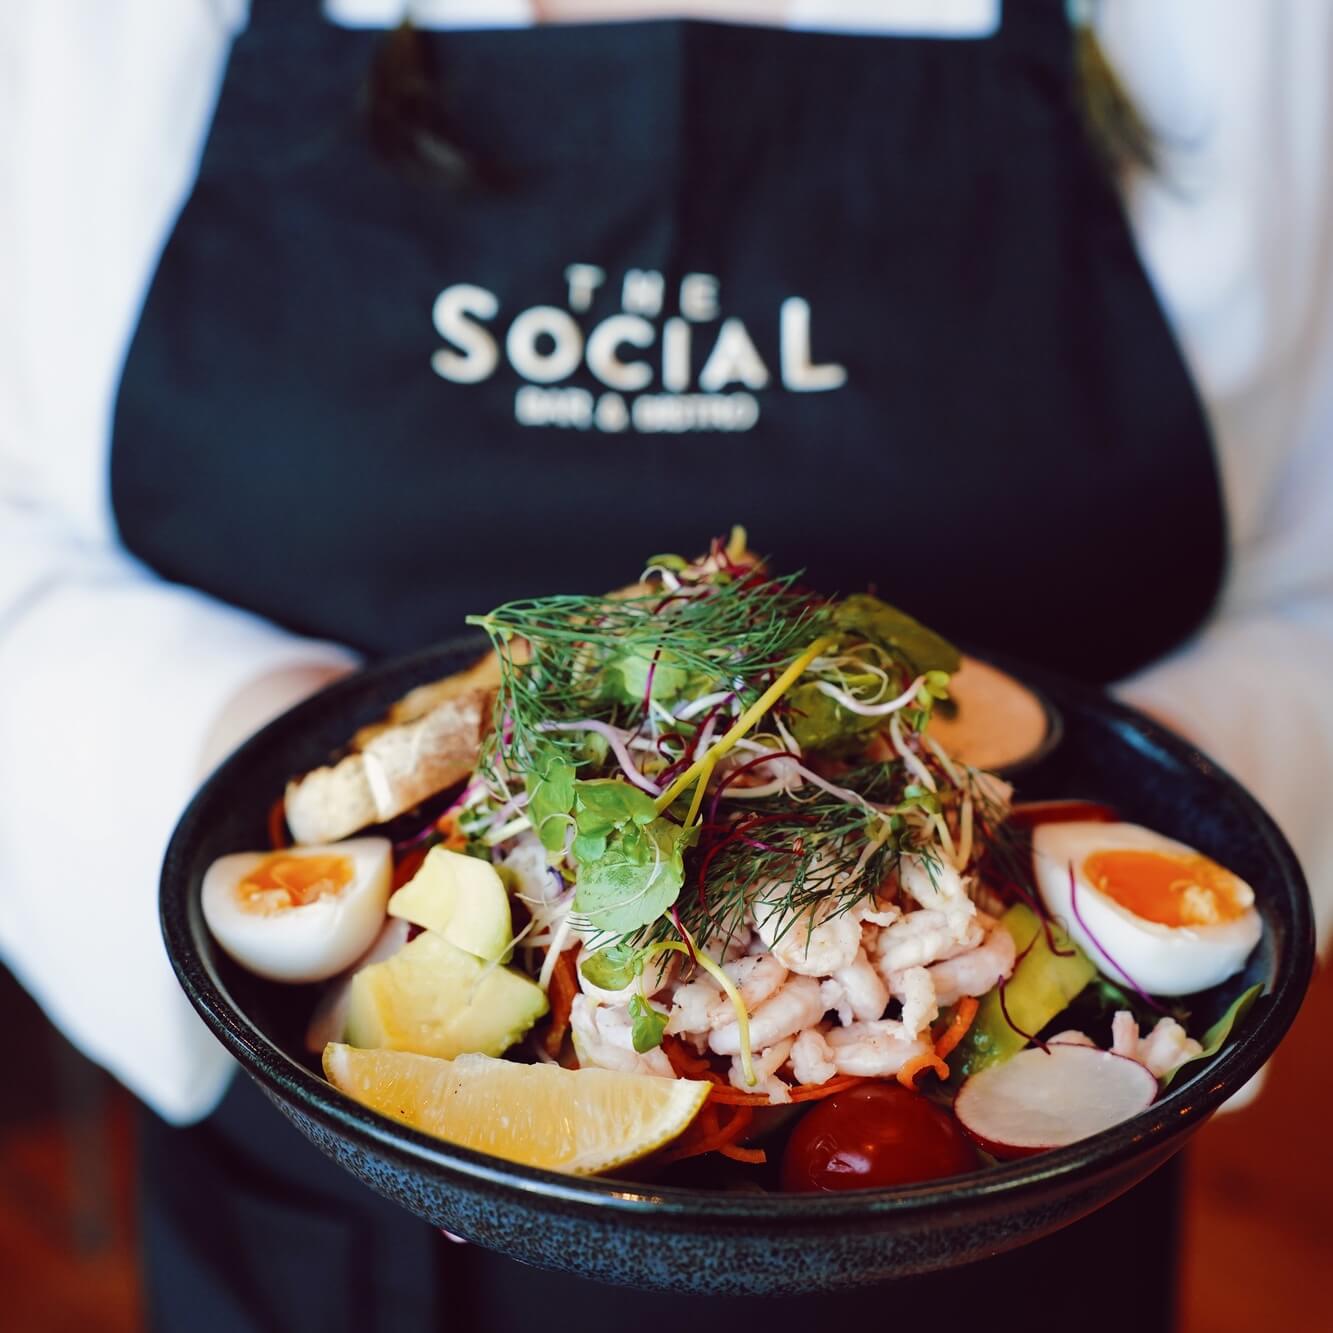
x=603, y=658
x=788, y=855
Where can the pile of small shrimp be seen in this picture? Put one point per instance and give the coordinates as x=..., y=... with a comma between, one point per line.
x=816, y=984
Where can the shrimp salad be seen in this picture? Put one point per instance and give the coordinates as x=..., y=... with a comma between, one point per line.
x=710, y=836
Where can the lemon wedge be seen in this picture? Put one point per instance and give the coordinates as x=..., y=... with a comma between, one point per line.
x=576, y=1120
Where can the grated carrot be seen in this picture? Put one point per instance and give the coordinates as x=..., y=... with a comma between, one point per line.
x=907, y=1075
x=455, y=840
x=697, y=1136
x=754, y=1156
x=814, y=1092
x=725, y=1095
x=685, y=1063
x=407, y=866
x=963, y=1015
x=709, y=1132
x=564, y=987
x=713, y=1135
x=803, y=1092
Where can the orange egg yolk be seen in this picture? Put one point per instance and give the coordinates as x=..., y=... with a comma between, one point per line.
x=283, y=880
x=1171, y=890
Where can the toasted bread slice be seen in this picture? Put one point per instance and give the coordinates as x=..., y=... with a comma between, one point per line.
x=430, y=740
x=482, y=677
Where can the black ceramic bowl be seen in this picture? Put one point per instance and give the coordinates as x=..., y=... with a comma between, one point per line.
x=697, y=1240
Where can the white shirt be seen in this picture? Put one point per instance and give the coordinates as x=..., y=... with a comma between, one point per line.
x=110, y=678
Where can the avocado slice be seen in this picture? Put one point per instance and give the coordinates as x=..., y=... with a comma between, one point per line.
x=434, y=998
x=462, y=898
x=1043, y=984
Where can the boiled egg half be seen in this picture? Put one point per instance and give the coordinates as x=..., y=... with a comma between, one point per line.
x=1144, y=908
x=302, y=914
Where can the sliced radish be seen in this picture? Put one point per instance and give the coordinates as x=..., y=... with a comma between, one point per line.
x=330, y=1016
x=1043, y=1099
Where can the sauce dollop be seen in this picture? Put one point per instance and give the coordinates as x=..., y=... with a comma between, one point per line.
x=995, y=721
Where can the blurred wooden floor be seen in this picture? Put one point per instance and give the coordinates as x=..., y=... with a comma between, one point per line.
x=1258, y=1250
x=67, y=1256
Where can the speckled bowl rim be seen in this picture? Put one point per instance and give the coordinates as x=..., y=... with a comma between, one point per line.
x=291, y=1082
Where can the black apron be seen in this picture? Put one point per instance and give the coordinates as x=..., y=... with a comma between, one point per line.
x=872, y=297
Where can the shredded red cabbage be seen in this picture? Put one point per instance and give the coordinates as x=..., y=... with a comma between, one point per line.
x=672, y=771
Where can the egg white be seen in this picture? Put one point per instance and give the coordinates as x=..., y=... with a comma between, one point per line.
x=1162, y=959
x=310, y=942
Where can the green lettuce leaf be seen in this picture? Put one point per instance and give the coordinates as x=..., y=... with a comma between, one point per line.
x=625, y=677
x=877, y=622
x=1215, y=1038
x=817, y=722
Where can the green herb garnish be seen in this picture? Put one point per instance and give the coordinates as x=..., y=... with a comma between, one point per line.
x=636, y=878
x=647, y=1024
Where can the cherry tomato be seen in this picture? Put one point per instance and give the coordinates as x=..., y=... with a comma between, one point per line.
x=873, y=1137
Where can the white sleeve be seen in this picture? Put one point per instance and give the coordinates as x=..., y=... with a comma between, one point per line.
x=109, y=678
x=109, y=682
x=1237, y=234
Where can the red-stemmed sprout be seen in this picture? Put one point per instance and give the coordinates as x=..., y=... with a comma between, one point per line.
x=741, y=769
